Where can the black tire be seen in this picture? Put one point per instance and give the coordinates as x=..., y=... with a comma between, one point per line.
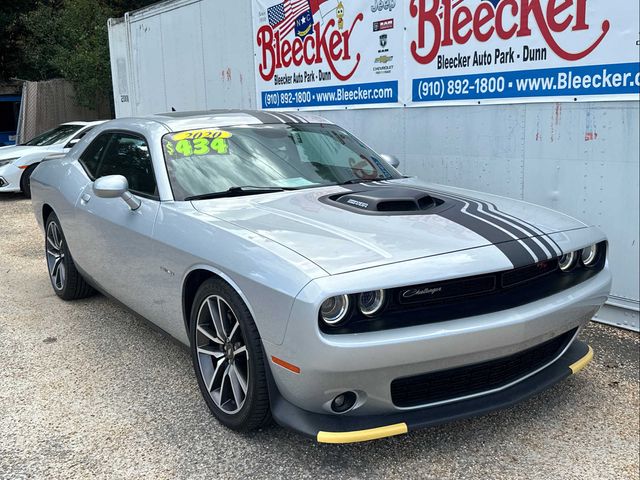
x=254, y=411
x=71, y=285
x=25, y=180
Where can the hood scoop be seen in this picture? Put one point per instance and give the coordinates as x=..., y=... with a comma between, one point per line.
x=386, y=200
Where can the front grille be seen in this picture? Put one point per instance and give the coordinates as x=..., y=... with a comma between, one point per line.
x=480, y=377
x=460, y=287
x=467, y=296
x=528, y=273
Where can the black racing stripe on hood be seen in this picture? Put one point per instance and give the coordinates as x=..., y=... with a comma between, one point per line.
x=474, y=208
x=513, y=249
x=520, y=251
x=532, y=230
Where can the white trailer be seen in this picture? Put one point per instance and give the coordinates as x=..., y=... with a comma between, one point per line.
x=579, y=158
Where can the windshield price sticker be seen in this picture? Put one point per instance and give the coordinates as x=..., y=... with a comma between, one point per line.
x=197, y=142
x=193, y=134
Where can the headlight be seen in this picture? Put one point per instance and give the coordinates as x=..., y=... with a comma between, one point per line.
x=372, y=302
x=7, y=161
x=333, y=310
x=589, y=255
x=567, y=261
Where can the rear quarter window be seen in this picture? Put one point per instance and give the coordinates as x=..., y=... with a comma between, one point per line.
x=90, y=158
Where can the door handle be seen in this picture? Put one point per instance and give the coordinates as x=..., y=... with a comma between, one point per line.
x=86, y=197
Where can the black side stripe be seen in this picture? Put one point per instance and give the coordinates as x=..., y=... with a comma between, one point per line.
x=530, y=229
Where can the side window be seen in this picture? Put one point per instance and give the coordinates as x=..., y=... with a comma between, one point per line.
x=128, y=155
x=90, y=158
x=78, y=137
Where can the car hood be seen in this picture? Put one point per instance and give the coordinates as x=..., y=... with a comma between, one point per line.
x=341, y=239
x=22, y=150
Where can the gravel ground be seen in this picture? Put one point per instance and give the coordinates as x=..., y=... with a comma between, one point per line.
x=88, y=390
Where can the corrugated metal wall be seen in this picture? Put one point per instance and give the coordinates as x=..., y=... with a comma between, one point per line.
x=579, y=158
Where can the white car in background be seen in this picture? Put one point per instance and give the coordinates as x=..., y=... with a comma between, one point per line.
x=17, y=162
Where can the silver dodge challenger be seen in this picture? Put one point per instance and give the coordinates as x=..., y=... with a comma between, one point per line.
x=313, y=283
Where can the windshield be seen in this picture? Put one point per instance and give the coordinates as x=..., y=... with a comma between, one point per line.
x=51, y=137
x=206, y=161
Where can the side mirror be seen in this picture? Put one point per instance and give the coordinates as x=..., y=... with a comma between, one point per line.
x=73, y=142
x=391, y=160
x=114, y=186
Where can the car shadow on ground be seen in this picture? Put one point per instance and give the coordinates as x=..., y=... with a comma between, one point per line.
x=12, y=197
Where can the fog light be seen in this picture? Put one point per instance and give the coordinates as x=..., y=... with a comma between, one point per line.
x=567, y=261
x=333, y=310
x=371, y=303
x=343, y=402
x=589, y=255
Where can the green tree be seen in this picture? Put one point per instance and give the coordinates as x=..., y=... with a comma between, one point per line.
x=82, y=54
x=39, y=42
x=61, y=39
x=10, y=33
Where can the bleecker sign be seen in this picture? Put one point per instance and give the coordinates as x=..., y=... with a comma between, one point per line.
x=508, y=51
x=322, y=54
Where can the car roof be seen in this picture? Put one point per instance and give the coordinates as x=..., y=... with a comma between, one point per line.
x=82, y=123
x=177, y=121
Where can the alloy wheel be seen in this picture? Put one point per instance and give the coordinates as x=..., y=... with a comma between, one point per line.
x=222, y=354
x=55, y=256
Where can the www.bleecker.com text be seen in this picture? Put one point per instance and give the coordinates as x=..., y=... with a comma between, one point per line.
x=496, y=57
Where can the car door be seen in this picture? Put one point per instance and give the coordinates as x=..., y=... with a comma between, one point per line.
x=117, y=241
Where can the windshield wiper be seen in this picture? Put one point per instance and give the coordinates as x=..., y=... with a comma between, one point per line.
x=238, y=192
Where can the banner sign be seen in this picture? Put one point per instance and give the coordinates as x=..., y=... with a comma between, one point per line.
x=323, y=54
x=491, y=51
x=328, y=53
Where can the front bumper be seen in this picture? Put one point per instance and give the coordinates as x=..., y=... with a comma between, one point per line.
x=368, y=363
x=328, y=428
x=10, y=178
